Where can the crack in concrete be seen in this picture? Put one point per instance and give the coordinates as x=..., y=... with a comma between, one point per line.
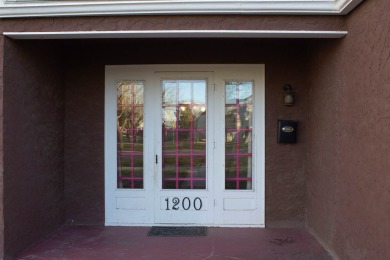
x=211, y=253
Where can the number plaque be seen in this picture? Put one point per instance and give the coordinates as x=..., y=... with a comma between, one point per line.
x=183, y=203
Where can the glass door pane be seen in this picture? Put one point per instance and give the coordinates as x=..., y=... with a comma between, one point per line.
x=238, y=135
x=184, y=134
x=130, y=122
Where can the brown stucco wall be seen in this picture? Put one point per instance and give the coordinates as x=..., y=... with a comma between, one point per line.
x=1, y=151
x=33, y=144
x=175, y=22
x=84, y=137
x=348, y=142
x=58, y=139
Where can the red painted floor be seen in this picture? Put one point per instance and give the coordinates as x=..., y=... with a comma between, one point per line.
x=99, y=242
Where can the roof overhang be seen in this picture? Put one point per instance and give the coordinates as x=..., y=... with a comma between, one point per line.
x=174, y=34
x=52, y=8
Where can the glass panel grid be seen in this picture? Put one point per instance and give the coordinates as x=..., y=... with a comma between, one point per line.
x=184, y=134
x=130, y=120
x=238, y=135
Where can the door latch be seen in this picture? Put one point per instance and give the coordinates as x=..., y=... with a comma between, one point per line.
x=156, y=159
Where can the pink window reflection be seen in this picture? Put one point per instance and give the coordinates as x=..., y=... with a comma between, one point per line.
x=238, y=135
x=130, y=122
x=184, y=134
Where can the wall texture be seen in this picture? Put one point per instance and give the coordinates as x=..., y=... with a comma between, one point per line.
x=33, y=144
x=1, y=150
x=348, y=142
x=84, y=138
x=175, y=22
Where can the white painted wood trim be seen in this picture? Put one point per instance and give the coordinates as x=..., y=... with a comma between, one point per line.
x=346, y=6
x=175, y=34
x=220, y=72
x=16, y=8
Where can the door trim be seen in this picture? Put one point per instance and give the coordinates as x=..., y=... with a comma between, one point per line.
x=110, y=129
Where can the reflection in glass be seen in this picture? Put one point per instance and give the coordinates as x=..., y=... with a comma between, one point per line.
x=130, y=122
x=184, y=134
x=238, y=135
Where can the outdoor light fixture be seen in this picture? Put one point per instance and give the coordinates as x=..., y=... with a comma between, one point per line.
x=288, y=95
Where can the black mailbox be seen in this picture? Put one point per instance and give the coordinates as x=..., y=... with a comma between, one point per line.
x=287, y=131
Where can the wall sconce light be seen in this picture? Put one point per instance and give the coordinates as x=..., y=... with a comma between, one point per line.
x=288, y=95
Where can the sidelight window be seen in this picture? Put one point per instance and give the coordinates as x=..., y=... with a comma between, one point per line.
x=238, y=135
x=130, y=123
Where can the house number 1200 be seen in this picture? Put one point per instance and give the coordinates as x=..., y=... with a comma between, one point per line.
x=185, y=203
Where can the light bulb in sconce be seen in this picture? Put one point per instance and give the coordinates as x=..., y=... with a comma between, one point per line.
x=288, y=95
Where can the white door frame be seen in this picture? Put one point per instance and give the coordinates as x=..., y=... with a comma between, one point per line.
x=230, y=209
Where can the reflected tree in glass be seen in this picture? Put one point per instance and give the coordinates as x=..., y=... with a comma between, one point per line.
x=184, y=134
x=238, y=135
x=130, y=122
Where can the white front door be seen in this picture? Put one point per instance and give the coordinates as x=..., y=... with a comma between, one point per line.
x=184, y=145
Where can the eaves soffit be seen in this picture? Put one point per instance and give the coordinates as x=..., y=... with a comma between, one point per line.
x=54, y=8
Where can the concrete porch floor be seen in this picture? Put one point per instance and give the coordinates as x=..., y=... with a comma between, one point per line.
x=99, y=242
